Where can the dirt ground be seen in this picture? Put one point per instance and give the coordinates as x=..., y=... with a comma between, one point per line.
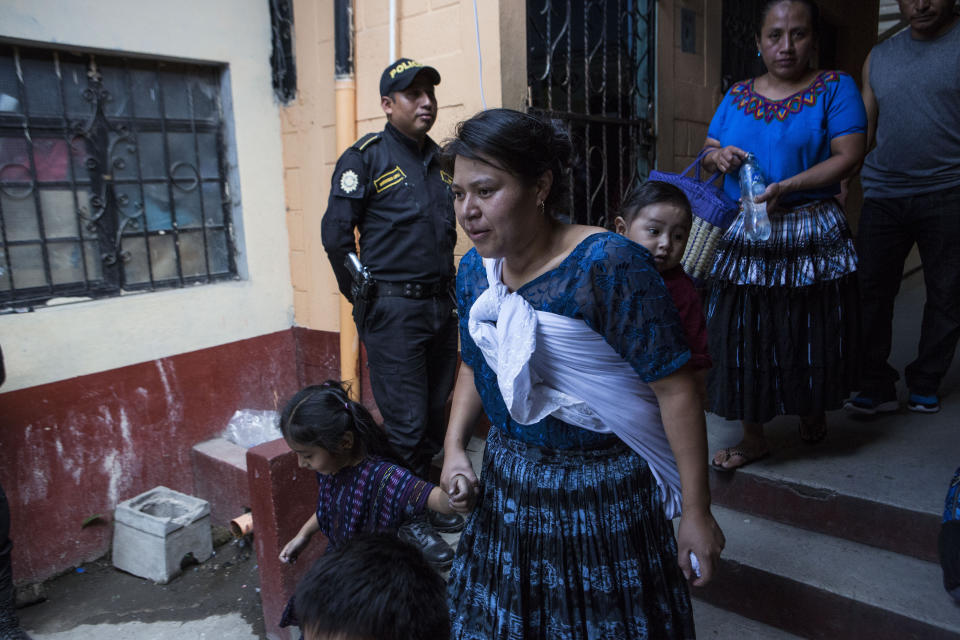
x=96, y=594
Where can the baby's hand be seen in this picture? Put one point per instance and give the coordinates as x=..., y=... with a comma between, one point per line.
x=292, y=549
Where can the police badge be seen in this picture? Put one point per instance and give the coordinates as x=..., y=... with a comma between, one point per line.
x=349, y=181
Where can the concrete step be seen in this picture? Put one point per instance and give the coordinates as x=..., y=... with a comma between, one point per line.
x=719, y=624
x=819, y=586
x=820, y=504
x=880, y=481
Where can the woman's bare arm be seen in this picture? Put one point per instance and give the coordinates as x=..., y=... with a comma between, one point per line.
x=683, y=421
x=464, y=411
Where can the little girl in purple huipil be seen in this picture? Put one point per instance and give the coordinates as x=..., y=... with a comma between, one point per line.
x=361, y=489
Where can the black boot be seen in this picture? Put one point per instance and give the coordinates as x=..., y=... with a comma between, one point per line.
x=445, y=522
x=421, y=534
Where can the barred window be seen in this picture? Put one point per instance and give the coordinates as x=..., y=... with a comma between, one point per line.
x=112, y=176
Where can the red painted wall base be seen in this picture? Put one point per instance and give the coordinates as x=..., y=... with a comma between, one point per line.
x=71, y=450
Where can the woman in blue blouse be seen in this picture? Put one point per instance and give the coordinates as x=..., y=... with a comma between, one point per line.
x=569, y=537
x=783, y=313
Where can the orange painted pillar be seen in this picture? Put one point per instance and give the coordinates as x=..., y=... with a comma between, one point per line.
x=346, y=112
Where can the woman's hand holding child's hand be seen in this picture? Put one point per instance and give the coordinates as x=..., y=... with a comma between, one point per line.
x=459, y=480
x=293, y=548
x=462, y=492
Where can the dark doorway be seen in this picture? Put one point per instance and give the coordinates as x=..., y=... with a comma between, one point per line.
x=738, y=44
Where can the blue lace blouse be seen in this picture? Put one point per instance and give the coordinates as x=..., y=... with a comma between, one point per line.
x=612, y=285
x=791, y=135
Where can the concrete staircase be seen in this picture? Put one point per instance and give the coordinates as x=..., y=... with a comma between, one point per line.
x=839, y=540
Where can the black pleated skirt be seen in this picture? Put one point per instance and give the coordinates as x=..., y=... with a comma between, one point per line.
x=783, y=318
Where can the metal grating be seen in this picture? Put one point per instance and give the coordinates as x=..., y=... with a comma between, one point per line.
x=590, y=65
x=112, y=176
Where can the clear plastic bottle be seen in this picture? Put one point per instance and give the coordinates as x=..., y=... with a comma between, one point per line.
x=756, y=224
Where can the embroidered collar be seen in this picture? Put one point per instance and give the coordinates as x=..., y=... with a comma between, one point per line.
x=762, y=108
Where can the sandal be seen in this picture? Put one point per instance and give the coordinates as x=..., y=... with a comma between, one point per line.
x=813, y=429
x=729, y=452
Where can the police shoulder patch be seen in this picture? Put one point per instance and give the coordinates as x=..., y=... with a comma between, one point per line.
x=349, y=181
x=366, y=141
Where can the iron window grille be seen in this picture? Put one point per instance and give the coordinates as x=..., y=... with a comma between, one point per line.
x=112, y=176
x=590, y=65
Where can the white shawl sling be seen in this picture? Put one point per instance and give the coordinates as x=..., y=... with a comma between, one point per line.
x=549, y=364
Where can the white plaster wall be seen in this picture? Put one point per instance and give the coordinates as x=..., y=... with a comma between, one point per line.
x=87, y=337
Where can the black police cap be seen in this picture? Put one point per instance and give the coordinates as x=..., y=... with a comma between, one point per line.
x=399, y=75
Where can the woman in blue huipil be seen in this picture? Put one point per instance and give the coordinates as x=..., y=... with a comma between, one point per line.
x=573, y=348
x=783, y=314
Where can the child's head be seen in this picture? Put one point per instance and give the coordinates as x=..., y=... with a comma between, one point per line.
x=329, y=431
x=375, y=586
x=657, y=216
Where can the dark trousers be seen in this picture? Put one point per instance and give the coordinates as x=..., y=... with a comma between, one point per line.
x=412, y=352
x=889, y=227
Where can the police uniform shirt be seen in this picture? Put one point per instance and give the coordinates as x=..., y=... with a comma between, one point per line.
x=401, y=202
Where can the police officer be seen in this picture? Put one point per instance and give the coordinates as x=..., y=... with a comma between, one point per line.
x=389, y=185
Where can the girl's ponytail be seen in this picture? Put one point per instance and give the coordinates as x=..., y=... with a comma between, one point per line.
x=369, y=434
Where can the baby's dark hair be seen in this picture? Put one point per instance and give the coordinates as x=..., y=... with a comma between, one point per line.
x=375, y=586
x=321, y=414
x=653, y=192
x=522, y=144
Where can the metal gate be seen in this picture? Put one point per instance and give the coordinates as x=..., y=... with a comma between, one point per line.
x=590, y=64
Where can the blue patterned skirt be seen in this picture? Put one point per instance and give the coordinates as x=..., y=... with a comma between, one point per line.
x=567, y=544
x=783, y=318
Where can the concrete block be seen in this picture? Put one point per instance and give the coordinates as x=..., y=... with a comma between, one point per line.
x=155, y=530
x=220, y=478
x=282, y=497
